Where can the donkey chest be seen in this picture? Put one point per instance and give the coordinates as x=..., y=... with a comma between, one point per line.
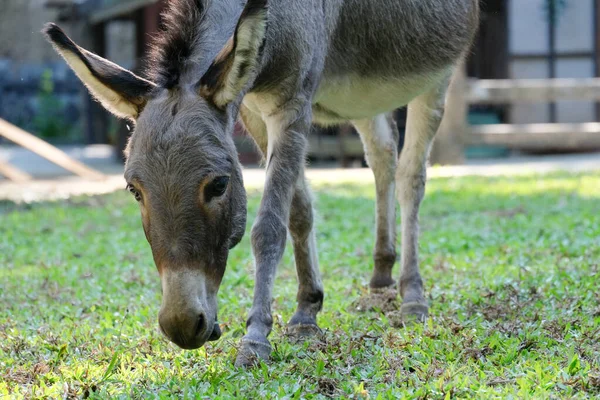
x=355, y=97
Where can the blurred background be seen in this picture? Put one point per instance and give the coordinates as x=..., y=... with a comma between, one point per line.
x=529, y=88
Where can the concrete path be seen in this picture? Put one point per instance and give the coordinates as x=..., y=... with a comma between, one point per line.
x=54, y=183
x=100, y=157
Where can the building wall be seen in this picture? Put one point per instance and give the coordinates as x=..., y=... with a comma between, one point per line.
x=20, y=25
x=529, y=49
x=121, y=43
x=25, y=58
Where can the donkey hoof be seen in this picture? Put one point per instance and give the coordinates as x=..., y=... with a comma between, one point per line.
x=414, y=312
x=301, y=332
x=252, y=351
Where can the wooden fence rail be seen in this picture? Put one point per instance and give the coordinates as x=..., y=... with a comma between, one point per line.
x=43, y=149
x=502, y=91
x=571, y=137
x=455, y=131
x=13, y=173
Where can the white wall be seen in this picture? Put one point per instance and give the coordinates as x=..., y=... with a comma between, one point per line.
x=528, y=35
x=527, y=27
x=121, y=43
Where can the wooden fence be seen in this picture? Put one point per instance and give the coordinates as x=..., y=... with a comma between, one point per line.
x=43, y=149
x=454, y=135
x=455, y=132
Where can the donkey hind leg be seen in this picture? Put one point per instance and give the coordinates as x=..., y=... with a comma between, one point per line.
x=310, y=287
x=381, y=142
x=286, y=130
x=424, y=117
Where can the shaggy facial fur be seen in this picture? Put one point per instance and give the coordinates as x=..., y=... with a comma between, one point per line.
x=174, y=46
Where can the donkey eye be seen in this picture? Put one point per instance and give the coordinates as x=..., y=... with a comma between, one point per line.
x=134, y=192
x=216, y=188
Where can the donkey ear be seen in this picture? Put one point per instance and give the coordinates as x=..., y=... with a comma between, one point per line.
x=120, y=91
x=238, y=60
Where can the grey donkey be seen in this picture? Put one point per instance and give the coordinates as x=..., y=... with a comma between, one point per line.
x=280, y=65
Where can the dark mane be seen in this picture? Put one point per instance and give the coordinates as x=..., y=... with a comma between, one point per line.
x=175, y=43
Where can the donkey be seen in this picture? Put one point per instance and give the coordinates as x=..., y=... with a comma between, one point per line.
x=280, y=65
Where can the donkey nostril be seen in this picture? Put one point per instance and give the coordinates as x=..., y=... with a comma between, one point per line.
x=201, y=324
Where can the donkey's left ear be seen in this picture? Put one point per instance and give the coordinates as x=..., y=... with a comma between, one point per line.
x=238, y=61
x=120, y=91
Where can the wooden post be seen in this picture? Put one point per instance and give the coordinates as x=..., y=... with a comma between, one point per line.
x=147, y=23
x=344, y=131
x=448, y=146
x=97, y=116
x=49, y=152
x=14, y=174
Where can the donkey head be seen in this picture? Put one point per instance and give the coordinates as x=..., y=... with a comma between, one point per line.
x=182, y=166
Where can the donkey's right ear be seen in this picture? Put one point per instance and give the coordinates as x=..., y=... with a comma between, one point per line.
x=120, y=91
x=238, y=61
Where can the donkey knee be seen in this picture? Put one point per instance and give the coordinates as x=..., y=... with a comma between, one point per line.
x=268, y=236
x=437, y=115
x=410, y=184
x=385, y=257
x=301, y=216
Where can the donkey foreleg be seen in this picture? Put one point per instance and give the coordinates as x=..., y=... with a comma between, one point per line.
x=381, y=144
x=310, y=287
x=287, y=130
x=424, y=117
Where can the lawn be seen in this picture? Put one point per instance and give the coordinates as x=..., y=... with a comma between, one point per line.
x=511, y=268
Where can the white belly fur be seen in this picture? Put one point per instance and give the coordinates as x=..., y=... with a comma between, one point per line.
x=355, y=97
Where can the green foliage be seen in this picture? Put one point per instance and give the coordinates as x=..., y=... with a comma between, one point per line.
x=48, y=121
x=511, y=272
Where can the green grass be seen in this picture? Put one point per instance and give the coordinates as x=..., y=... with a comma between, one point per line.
x=511, y=272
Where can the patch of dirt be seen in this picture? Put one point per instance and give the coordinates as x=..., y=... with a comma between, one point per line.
x=22, y=376
x=395, y=318
x=591, y=385
x=303, y=333
x=495, y=312
x=88, y=390
x=527, y=344
x=594, y=380
x=19, y=376
x=328, y=387
x=41, y=368
x=503, y=304
x=384, y=300
x=555, y=330
x=478, y=354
